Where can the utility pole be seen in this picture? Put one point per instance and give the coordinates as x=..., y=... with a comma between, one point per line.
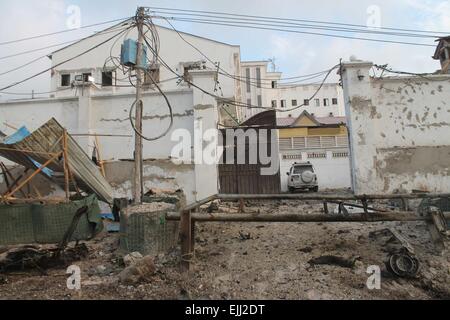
x=140, y=16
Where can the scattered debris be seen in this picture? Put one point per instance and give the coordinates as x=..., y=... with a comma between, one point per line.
x=334, y=260
x=394, y=237
x=274, y=265
x=306, y=249
x=213, y=207
x=244, y=236
x=403, y=265
x=3, y=279
x=132, y=258
x=32, y=257
x=140, y=271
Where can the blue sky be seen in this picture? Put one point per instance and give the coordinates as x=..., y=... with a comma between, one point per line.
x=295, y=53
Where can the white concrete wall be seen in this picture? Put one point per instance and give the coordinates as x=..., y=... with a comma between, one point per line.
x=332, y=173
x=173, y=50
x=399, y=131
x=109, y=115
x=34, y=113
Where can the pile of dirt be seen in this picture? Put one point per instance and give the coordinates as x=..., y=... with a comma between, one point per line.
x=252, y=261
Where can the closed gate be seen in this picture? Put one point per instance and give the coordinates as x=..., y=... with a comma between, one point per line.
x=247, y=178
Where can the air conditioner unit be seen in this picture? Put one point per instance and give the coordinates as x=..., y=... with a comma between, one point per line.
x=79, y=80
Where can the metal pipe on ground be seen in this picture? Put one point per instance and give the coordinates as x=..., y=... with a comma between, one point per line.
x=264, y=217
x=329, y=196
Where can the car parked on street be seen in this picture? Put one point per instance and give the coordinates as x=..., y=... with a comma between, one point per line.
x=302, y=176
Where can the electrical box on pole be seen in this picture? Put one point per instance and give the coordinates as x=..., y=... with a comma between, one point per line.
x=128, y=54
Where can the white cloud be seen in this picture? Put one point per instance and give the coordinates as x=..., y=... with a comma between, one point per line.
x=435, y=14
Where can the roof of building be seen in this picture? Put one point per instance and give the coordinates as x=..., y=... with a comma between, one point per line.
x=126, y=21
x=255, y=62
x=437, y=52
x=265, y=118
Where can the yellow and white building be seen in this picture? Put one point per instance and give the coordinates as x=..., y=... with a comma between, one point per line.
x=321, y=140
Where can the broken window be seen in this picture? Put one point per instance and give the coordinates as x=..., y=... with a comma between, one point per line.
x=317, y=101
x=306, y=102
x=326, y=102
x=65, y=80
x=294, y=103
x=274, y=103
x=107, y=78
x=334, y=101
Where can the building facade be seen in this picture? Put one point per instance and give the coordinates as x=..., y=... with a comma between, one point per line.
x=257, y=84
x=262, y=88
x=326, y=102
x=181, y=52
x=323, y=141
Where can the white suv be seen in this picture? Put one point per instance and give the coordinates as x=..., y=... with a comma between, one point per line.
x=302, y=176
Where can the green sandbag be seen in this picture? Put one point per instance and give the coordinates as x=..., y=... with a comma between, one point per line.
x=39, y=223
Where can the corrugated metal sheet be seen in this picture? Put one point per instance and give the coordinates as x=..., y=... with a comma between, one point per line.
x=47, y=139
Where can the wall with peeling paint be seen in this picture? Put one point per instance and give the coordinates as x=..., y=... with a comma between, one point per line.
x=399, y=131
x=173, y=49
x=108, y=117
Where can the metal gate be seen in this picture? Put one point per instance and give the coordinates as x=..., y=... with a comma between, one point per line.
x=247, y=178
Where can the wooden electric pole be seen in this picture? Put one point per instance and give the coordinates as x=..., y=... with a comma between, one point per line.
x=138, y=162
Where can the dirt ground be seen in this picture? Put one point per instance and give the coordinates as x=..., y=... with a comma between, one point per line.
x=254, y=261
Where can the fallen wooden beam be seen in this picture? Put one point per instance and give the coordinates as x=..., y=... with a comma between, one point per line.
x=287, y=217
x=12, y=200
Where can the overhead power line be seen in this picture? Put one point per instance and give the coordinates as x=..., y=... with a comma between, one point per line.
x=284, y=23
x=223, y=72
x=57, y=44
x=230, y=101
x=23, y=65
x=294, y=20
x=253, y=26
x=62, y=31
x=63, y=62
x=44, y=56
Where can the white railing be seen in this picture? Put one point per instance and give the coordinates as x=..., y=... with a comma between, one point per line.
x=313, y=142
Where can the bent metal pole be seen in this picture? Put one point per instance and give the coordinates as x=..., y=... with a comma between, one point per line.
x=264, y=217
